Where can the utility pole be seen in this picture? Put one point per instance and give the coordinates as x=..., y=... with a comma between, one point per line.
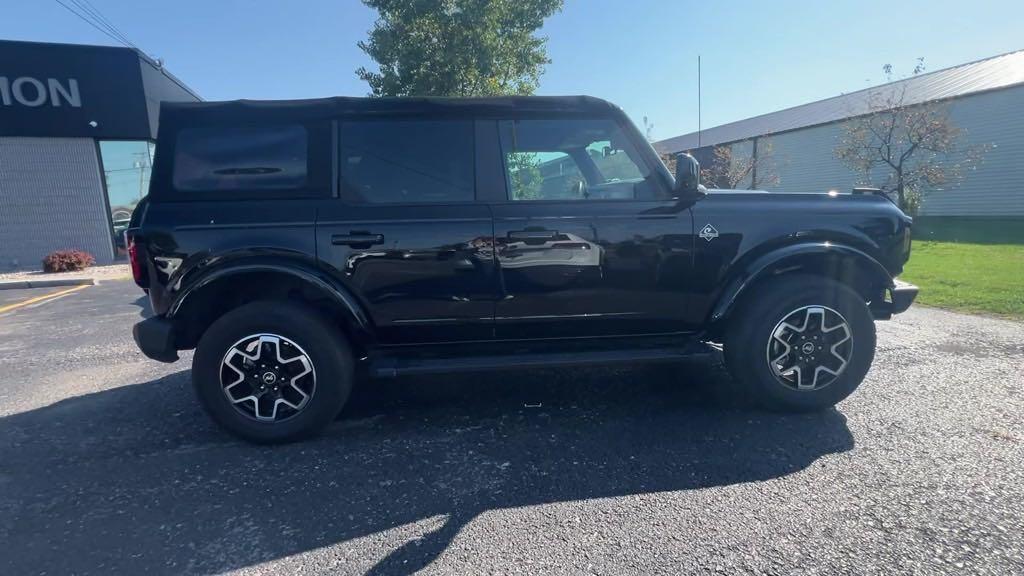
x=141, y=165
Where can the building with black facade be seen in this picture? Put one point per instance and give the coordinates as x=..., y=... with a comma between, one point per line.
x=77, y=126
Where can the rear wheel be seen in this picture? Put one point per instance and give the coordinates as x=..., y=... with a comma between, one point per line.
x=800, y=343
x=272, y=371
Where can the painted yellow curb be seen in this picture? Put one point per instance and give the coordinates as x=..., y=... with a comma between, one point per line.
x=16, y=305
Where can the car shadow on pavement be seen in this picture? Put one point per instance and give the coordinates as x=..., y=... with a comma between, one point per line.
x=145, y=309
x=135, y=479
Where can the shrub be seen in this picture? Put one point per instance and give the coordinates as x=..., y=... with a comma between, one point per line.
x=67, y=261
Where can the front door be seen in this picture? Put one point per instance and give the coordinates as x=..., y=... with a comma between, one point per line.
x=588, y=242
x=407, y=234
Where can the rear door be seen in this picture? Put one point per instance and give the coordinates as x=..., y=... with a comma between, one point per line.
x=588, y=241
x=406, y=232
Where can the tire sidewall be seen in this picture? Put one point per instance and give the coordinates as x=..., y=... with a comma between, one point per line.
x=323, y=344
x=758, y=319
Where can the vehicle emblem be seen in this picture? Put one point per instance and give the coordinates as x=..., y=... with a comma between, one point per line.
x=269, y=377
x=708, y=233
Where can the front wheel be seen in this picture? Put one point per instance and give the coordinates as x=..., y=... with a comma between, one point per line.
x=272, y=371
x=800, y=343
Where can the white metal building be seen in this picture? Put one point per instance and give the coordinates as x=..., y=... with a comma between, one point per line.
x=985, y=98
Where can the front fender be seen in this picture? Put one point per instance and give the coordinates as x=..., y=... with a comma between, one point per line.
x=791, y=257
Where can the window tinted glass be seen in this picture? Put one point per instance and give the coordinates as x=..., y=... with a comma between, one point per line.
x=542, y=175
x=127, y=165
x=613, y=164
x=396, y=161
x=571, y=160
x=240, y=158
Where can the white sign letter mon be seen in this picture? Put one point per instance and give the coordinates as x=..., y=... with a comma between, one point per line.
x=70, y=95
x=18, y=87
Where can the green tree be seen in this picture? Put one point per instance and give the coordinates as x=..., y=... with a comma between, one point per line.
x=524, y=175
x=456, y=47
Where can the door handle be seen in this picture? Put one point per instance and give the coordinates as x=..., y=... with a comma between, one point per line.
x=357, y=239
x=533, y=236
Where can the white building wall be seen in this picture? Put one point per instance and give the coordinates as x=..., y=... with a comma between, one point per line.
x=996, y=186
x=51, y=198
x=743, y=151
x=805, y=162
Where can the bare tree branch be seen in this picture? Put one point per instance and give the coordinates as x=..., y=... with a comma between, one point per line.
x=906, y=149
x=732, y=170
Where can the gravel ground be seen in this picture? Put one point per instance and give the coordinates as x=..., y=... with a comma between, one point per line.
x=107, y=466
x=107, y=272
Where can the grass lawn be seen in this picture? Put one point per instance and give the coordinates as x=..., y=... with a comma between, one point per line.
x=969, y=277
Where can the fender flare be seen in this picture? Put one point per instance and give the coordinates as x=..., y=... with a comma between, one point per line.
x=315, y=278
x=762, y=265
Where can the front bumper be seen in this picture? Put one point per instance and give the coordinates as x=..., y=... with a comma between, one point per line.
x=155, y=337
x=900, y=297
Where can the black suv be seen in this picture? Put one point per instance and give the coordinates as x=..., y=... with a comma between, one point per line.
x=297, y=244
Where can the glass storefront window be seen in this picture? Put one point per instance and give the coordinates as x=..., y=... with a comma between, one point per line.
x=127, y=165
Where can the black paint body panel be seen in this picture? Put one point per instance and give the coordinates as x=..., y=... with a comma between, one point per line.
x=493, y=269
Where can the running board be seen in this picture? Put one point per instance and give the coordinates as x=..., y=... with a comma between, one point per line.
x=391, y=367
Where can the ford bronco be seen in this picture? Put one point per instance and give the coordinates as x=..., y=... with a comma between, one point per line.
x=296, y=244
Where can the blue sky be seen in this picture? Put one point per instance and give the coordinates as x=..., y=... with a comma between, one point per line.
x=641, y=54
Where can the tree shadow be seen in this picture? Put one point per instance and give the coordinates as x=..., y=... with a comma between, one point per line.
x=135, y=479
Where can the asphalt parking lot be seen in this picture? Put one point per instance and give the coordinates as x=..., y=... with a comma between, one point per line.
x=107, y=465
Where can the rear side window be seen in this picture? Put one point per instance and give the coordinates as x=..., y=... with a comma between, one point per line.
x=233, y=158
x=407, y=161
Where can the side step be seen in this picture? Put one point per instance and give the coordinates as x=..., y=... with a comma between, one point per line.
x=391, y=367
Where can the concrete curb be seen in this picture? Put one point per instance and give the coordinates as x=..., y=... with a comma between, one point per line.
x=45, y=283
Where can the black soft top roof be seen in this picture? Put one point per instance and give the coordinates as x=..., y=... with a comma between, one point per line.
x=175, y=113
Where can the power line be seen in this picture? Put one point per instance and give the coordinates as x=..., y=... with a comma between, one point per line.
x=102, y=20
x=96, y=16
x=98, y=22
x=89, y=22
x=99, y=17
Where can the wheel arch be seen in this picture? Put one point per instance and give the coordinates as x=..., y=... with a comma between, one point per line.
x=845, y=264
x=218, y=291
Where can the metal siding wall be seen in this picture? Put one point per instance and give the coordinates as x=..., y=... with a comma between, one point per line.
x=996, y=187
x=742, y=151
x=805, y=163
x=51, y=197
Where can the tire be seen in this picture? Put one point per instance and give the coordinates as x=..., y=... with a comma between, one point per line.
x=300, y=397
x=773, y=333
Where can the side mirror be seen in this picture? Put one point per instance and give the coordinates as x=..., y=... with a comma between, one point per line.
x=687, y=175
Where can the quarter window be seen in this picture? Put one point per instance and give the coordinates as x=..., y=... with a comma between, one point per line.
x=572, y=160
x=241, y=158
x=407, y=161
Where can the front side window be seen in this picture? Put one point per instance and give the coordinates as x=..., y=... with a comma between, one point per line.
x=407, y=161
x=232, y=158
x=572, y=160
